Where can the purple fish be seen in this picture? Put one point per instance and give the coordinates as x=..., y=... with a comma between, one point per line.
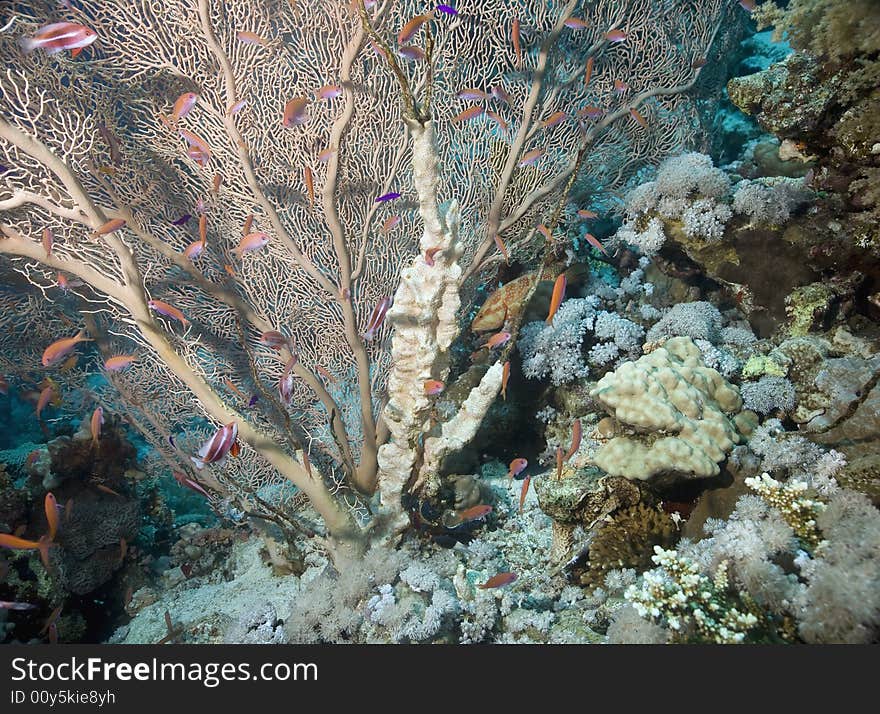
x=253, y=400
x=215, y=449
x=285, y=384
x=387, y=197
x=3, y=169
x=447, y=9
x=171, y=441
x=182, y=220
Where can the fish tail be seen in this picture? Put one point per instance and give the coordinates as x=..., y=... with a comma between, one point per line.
x=199, y=464
x=28, y=44
x=43, y=547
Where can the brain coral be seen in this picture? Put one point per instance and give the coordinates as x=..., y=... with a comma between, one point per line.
x=673, y=411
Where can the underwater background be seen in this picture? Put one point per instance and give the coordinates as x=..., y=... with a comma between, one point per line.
x=481, y=322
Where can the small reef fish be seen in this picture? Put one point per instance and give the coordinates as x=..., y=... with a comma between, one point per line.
x=112, y=144
x=198, y=151
x=408, y=31
x=639, y=118
x=530, y=158
x=503, y=248
x=48, y=241
x=50, y=506
x=429, y=256
x=183, y=220
x=274, y=340
x=203, y=229
x=593, y=241
x=309, y=181
x=389, y=224
x=45, y=398
x=230, y=385
x=494, y=116
x=326, y=155
x=620, y=87
x=515, y=39
x=6, y=605
x=576, y=23
x=516, y=467
x=15, y=543
x=699, y=63
x=246, y=37
x=497, y=581
x=65, y=284
x=616, y=36
x=295, y=113
x=505, y=375
x=218, y=181
x=59, y=36
x=163, y=308
x=328, y=91
x=748, y=5
x=183, y=105
x=557, y=297
x=216, y=448
x=576, y=435
x=250, y=243
x=376, y=318
x=285, y=384
x=184, y=480
x=523, y=491
x=497, y=340
x=469, y=114
x=472, y=95
x=325, y=374
x=586, y=214
x=106, y=489
x=499, y=94
x=235, y=107
x=590, y=112
x=59, y=349
x=545, y=231
x=446, y=9
x=588, y=72
x=554, y=120
x=194, y=250
x=474, y=513
x=110, y=226
x=119, y=362
x=433, y=386
x=385, y=197
x=248, y=223
x=95, y=424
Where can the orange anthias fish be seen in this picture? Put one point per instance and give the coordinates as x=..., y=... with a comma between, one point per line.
x=43, y=401
x=95, y=424
x=639, y=118
x=505, y=375
x=474, y=513
x=433, y=386
x=248, y=222
x=497, y=340
x=328, y=91
x=183, y=105
x=48, y=241
x=250, y=243
x=587, y=215
x=553, y=120
x=576, y=23
x=203, y=229
x=325, y=374
x=522, y=494
x=59, y=349
x=530, y=158
x=110, y=226
x=588, y=73
x=118, y=362
x=309, y=181
x=593, y=241
x=576, y=434
x=218, y=181
x=557, y=298
x=408, y=31
x=163, y=308
x=16, y=543
x=389, y=224
x=246, y=37
x=429, y=256
x=514, y=38
x=503, y=248
x=50, y=505
x=470, y=113
x=295, y=112
x=616, y=36
x=517, y=466
x=497, y=581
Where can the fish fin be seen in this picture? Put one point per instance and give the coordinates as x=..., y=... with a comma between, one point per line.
x=44, y=544
x=199, y=464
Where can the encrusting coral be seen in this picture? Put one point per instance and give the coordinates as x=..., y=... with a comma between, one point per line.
x=677, y=416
